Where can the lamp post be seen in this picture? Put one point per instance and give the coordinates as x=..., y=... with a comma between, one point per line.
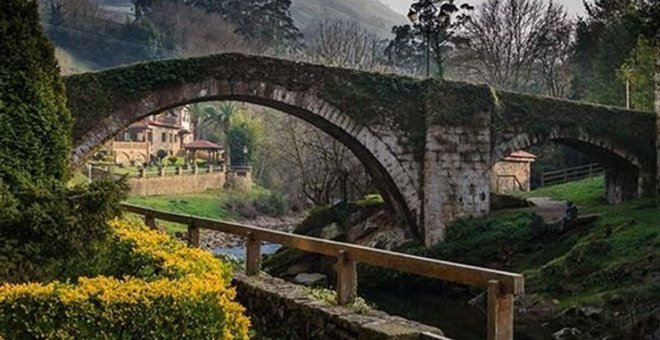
x=245, y=155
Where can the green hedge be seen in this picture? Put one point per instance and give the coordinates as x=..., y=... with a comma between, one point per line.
x=35, y=142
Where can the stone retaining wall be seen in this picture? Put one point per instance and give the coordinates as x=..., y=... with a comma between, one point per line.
x=282, y=310
x=176, y=184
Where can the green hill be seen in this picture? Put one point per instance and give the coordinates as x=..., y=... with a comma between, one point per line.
x=372, y=14
x=308, y=14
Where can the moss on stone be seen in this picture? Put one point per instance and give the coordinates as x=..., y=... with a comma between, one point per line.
x=403, y=105
x=627, y=130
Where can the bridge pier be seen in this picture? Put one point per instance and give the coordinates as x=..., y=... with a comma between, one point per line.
x=621, y=184
x=456, y=175
x=657, y=124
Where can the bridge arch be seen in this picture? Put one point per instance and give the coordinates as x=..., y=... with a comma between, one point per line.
x=623, y=170
x=427, y=143
x=376, y=151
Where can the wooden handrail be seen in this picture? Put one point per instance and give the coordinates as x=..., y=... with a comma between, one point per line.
x=506, y=284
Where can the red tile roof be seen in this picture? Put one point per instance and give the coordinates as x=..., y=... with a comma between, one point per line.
x=520, y=155
x=202, y=145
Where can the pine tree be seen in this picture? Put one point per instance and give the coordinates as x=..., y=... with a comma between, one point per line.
x=35, y=142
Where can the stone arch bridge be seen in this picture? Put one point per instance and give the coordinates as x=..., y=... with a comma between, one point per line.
x=429, y=144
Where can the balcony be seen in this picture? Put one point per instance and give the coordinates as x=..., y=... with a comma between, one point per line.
x=128, y=146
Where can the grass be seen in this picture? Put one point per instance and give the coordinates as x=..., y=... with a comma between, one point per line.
x=588, y=192
x=217, y=204
x=206, y=204
x=608, y=263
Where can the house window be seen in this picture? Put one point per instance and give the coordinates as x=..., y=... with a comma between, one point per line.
x=127, y=136
x=163, y=137
x=171, y=139
x=176, y=138
x=150, y=137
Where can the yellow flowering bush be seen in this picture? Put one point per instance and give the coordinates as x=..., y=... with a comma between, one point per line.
x=141, y=252
x=169, y=291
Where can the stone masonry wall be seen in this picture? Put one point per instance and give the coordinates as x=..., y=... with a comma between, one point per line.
x=456, y=175
x=176, y=184
x=657, y=122
x=501, y=180
x=282, y=310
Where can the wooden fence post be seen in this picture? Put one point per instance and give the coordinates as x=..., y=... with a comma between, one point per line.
x=150, y=222
x=252, y=255
x=500, y=312
x=193, y=235
x=346, y=279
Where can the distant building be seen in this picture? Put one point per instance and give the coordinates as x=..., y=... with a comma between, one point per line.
x=513, y=173
x=141, y=141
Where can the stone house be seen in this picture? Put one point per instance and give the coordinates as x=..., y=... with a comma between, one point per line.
x=513, y=173
x=142, y=140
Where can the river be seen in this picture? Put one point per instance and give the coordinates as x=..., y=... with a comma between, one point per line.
x=450, y=312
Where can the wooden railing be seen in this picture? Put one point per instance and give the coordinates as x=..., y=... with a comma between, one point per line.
x=571, y=174
x=500, y=286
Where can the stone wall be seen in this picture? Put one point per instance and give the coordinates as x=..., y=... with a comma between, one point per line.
x=456, y=175
x=282, y=310
x=176, y=184
x=507, y=176
x=240, y=180
x=657, y=122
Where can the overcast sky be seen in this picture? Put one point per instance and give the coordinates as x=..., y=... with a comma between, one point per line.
x=574, y=7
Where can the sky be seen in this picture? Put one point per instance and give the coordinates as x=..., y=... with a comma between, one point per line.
x=574, y=7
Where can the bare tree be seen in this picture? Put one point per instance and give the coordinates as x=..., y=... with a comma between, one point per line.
x=346, y=44
x=554, y=64
x=310, y=162
x=194, y=32
x=505, y=42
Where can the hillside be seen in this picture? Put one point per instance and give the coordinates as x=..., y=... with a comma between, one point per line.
x=372, y=14
x=308, y=14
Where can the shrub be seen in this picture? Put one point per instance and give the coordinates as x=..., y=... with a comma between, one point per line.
x=173, y=160
x=271, y=204
x=141, y=252
x=35, y=142
x=161, y=154
x=159, y=289
x=194, y=307
x=45, y=226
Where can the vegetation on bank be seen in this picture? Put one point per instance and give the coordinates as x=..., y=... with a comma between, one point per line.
x=36, y=126
x=144, y=282
x=65, y=271
x=609, y=263
x=223, y=204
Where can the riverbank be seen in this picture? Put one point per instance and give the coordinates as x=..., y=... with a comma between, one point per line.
x=593, y=280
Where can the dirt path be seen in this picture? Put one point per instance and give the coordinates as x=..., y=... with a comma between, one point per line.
x=552, y=211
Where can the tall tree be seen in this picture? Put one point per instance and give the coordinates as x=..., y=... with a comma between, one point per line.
x=637, y=73
x=435, y=22
x=506, y=41
x=345, y=44
x=605, y=39
x=35, y=143
x=267, y=22
x=406, y=51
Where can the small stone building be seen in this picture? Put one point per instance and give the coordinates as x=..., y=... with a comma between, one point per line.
x=513, y=173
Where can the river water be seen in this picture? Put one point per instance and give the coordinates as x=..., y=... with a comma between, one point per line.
x=451, y=313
